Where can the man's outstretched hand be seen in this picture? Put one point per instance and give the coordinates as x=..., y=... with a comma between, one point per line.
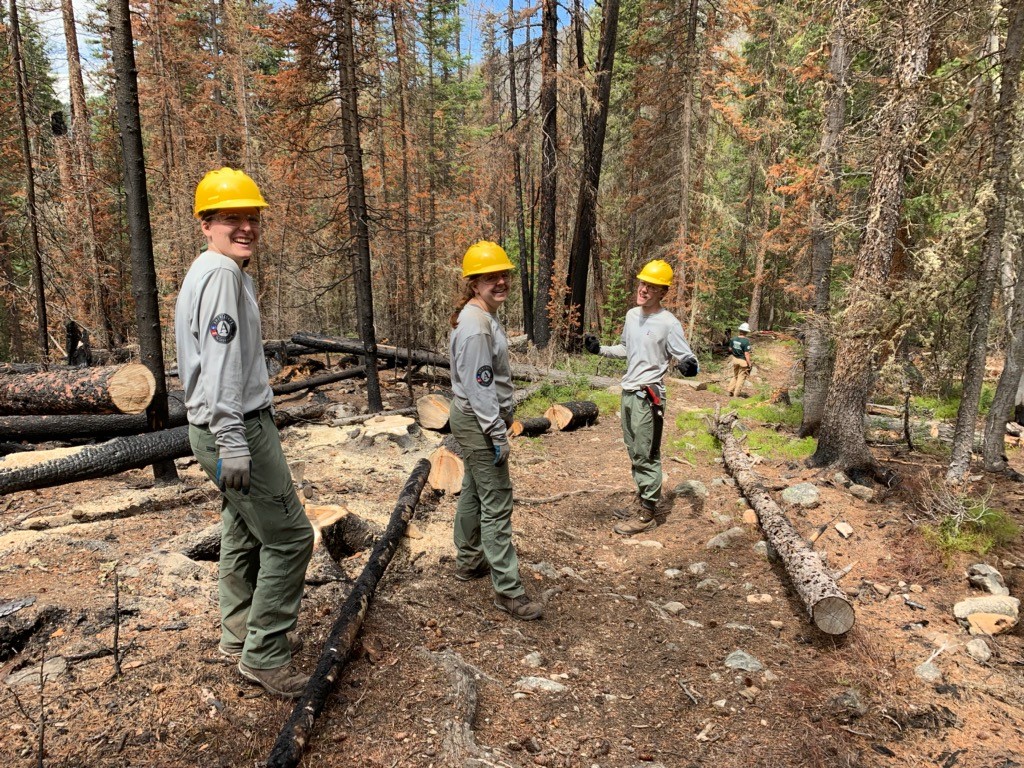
x=592, y=343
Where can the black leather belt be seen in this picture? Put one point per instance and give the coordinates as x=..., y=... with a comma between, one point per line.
x=247, y=416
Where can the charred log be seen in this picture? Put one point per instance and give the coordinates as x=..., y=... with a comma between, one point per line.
x=572, y=415
x=295, y=735
x=530, y=427
x=115, y=389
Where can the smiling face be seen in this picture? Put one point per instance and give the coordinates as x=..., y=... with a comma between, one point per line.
x=649, y=296
x=491, y=289
x=233, y=233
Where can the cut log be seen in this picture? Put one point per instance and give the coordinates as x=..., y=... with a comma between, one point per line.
x=395, y=428
x=878, y=409
x=530, y=427
x=295, y=735
x=122, y=454
x=346, y=421
x=446, y=468
x=826, y=603
x=116, y=389
x=572, y=415
x=38, y=429
x=432, y=411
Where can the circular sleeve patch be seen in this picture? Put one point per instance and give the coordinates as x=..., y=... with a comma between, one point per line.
x=223, y=329
x=484, y=375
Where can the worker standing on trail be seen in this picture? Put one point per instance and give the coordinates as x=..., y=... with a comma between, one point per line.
x=651, y=338
x=266, y=538
x=481, y=413
x=739, y=349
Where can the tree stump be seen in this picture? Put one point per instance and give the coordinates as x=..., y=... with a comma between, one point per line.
x=572, y=415
x=827, y=604
x=115, y=389
x=530, y=427
x=432, y=411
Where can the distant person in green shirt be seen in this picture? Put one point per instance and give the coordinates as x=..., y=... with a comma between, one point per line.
x=739, y=348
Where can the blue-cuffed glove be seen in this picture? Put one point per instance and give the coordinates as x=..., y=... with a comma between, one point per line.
x=689, y=366
x=592, y=343
x=501, y=451
x=234, y=473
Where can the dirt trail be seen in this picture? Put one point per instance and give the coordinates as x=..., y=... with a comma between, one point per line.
x=634, y=640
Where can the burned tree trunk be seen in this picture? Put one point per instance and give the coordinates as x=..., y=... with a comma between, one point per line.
x=530, y=427
x=116, y=389
x=572, y=415
x=122, y=454
x=295, y=735
x=318, y=381
x=36, y=429
x=827, y=605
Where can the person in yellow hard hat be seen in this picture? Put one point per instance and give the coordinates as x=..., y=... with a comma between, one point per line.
x=480, y=415
x=651, y=338
x=266, y=538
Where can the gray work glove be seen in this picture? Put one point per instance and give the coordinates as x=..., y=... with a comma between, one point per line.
x=501, y=450
x=234, y=473
x=592, y=343
x=689, y=366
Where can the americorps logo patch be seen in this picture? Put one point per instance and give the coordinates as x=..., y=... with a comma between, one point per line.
x=223, y=328
x=484, y=376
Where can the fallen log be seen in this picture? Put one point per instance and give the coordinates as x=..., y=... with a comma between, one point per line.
x=422, y=357
x=446, y=468
x=530, y=427
x=295, y=735
x=826, y=603
x=37, y=429
x=318, y=381
x=345, y=421
x=432, y=411
x=115, y=389
x=122, y=454
x=572, y=415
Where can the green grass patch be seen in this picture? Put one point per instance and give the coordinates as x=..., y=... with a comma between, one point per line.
x=758, y=409
x=946, y=407
x=696, y=444
x=780, y=445
x=992, y=528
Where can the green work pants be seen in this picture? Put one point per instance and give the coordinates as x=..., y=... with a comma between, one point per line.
x=483, y=516
x=641, y=431
x=265, y=544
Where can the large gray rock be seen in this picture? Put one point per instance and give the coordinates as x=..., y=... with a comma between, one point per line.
x=743, y=661
x=802, y=495
x=991, y=615
x=692, y=488
x=725, y=538
x=984, y=576
x=539, y=684
x=862, y=492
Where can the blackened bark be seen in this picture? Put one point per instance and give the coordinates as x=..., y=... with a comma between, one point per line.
x=357, y=212
x=977, y=347
x=548, y=170
x=818, y=361
x=295, y=735
x=841, y=440
x=147, y=307
x=595, y=121
x=525, y=273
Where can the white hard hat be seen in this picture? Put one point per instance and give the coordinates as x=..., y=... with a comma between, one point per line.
x=744, y=327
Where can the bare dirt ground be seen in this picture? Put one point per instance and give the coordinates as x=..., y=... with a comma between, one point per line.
x=636, y=647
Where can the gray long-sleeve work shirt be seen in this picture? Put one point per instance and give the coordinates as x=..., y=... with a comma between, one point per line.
x=649, y=343
x=481, y=373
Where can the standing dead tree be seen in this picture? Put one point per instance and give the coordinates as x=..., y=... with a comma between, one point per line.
x=827, y=604
x=295, y=734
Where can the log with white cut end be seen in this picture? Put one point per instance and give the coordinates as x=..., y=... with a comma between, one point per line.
x=530, y=427
x=572, y=415
x=115, y=389
x=446, y=467
x=827, y=604
x=432, y=411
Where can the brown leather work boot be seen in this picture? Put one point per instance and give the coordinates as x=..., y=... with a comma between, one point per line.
x=235, y=651
x=643, y=521
x=284, y=681
x=462, y=573
x=520, y=607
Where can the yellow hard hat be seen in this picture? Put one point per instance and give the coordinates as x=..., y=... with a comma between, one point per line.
x=484, y=257
x=227, y=188
x=656, y=272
